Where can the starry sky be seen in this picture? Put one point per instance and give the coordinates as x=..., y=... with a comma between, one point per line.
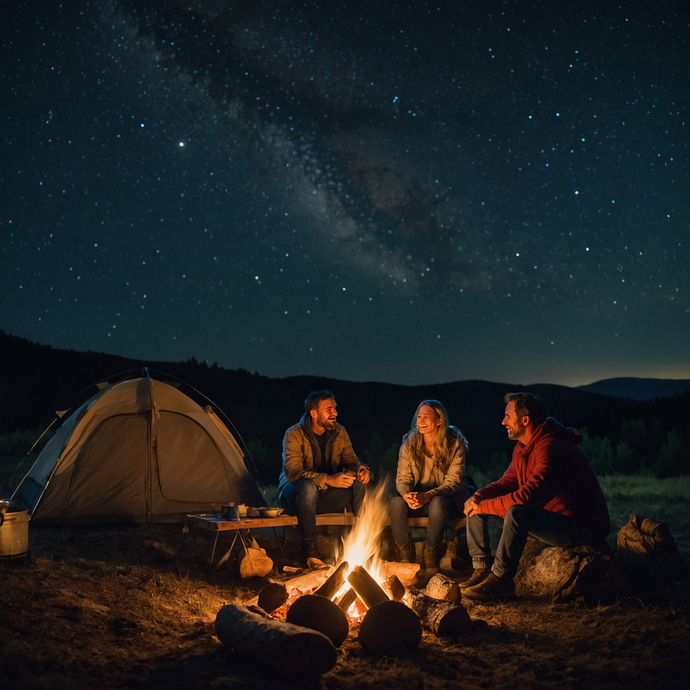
x=410, y=192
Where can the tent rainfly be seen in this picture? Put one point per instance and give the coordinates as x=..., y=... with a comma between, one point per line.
x=137, y=451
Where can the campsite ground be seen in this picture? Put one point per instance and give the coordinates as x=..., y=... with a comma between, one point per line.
x=125, y=607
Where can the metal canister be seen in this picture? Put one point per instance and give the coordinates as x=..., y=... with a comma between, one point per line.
x=14, y=529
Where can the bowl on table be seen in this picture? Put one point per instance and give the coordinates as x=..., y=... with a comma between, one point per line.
x=270, y=512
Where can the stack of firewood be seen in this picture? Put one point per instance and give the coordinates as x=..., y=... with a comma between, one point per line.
x=305, y=643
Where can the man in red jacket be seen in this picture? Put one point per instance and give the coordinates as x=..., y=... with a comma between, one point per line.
x=549, y=492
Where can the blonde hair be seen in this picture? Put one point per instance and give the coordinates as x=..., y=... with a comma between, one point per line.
x=446, y=438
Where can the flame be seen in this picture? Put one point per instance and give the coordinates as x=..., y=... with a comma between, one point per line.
x=361, y=546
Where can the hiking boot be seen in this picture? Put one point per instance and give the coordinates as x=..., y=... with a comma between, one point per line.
x=431, y=560
x=492, y=587
x=405, y=553
x=479, y=575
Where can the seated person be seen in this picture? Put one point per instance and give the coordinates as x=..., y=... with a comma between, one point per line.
x=429, y=480
x=321, y=473
x=549, y=492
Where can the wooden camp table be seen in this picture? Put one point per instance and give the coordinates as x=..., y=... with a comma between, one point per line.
x=215, y=523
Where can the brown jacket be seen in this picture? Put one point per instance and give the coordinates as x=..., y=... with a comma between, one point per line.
x=300, y=449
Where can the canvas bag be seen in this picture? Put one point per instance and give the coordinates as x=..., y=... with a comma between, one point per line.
x=254, y=562
x=647, y=551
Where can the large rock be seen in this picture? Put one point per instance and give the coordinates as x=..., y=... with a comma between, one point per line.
x=567, y=573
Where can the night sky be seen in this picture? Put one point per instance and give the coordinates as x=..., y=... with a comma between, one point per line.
x=407, y=192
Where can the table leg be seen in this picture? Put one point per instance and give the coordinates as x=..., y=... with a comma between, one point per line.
x=226, y=555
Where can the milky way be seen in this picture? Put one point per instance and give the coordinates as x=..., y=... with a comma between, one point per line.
x=410, y=192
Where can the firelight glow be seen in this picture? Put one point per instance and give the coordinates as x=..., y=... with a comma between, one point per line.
x=362, y=545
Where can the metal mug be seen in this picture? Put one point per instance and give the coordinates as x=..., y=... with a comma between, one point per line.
x=230, y=512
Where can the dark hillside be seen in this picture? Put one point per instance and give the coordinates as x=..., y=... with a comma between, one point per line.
x=37, y=380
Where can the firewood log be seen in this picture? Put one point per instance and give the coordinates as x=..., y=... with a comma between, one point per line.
x=443, y=618
x=290, y=650
x=347, y=599
x=329, y=588
x=272, y=596
x=390, y=628
x=441, y=587
x=306, y=582
x=318, y=613
x=405, y=571
x=394, y=588
x=366, y=587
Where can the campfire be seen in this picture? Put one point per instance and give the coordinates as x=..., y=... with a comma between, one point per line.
x=312, y=614
x=360, y=579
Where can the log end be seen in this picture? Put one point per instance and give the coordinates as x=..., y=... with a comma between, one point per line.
x=455, y=623
x=272, y=596
x=390, y=628
x=318, y=613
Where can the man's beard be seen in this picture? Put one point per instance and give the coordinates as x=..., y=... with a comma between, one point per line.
x=326, y=423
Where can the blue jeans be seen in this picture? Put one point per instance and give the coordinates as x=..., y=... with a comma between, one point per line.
x=520, y=522
x=304, y=500
x=439, y=510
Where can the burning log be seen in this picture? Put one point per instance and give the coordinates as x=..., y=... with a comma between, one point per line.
x=272, y=596
x=394, y=588
x=366, y=587
x=329, y=588
x=443, y=618
x=319, y=613
x=404, y=571
x=307, y=582
x=288, y=649
x=441, y=587
x=390, y=628
x=347, y=599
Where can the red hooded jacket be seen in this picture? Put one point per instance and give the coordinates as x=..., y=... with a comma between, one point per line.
x=553, y=473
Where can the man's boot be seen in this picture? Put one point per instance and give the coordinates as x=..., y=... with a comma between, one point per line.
x=431, y=560
x=311, y=555
x=492, y=587
x=405, y=553
x=479, y=575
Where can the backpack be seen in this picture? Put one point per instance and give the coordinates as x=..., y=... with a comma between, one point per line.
x=648, y=552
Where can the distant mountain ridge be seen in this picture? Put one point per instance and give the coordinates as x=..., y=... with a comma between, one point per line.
x=36, y=380
x=638, y=389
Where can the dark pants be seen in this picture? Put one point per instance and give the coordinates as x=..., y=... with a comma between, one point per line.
x=439, y=510
x=304, y=500
x=520, y=522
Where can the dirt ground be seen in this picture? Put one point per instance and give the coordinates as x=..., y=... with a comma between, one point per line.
x=133, y=607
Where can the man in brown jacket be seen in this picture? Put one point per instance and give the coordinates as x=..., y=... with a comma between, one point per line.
x=321, y=473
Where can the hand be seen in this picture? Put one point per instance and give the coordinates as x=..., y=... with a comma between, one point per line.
x=363, y=475
x=416, y=499
x=410, y=498
x=340, y=480
x=471, y=506
x=423, y=497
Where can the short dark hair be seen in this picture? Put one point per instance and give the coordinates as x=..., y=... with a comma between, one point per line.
x=313, y=399
x=528, y=405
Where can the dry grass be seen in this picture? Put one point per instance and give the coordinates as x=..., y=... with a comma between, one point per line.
x=125, y=607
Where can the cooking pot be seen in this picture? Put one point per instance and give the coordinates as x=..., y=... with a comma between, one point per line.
x=14, y=529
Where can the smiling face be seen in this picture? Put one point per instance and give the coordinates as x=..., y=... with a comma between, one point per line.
x=428, y=422
x=324, y=416
x=516, y=428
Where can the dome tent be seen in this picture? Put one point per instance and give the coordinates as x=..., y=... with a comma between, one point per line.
x=137, y=451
